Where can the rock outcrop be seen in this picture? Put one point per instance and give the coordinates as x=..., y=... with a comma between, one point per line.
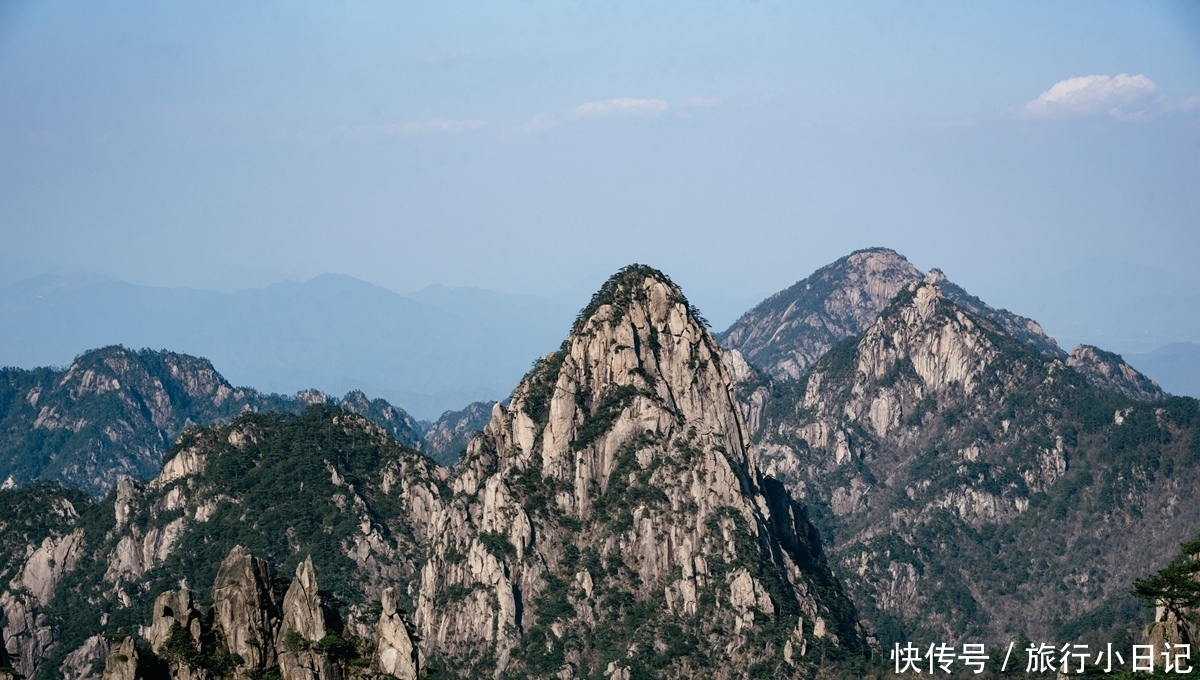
x=396, y=652
x=245, y=611
x=936, y=428
x=115, y=412
x=789, y=331
x=1110, y=372
x=614, y=505
x=27, y=634
x=122, y=661
x=244, y=634
x=304, y=629
x=79, y=664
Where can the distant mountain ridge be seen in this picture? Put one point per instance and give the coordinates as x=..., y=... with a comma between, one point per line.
x=1176, y=367
x=790, y=330
x=435, y=350
x=939, y=452
x=115, y=412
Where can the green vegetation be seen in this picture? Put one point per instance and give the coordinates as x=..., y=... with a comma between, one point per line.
x=1175, y=586
x=275, y=496
x=620, y=291
x=600, y=421
x=117, y=409
x=540, y=382
x=498, y=545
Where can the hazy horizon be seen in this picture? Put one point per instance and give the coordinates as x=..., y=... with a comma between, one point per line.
x=1045, y=156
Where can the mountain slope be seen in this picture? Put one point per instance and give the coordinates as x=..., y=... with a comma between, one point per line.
x=611, y=521
x=788, y=331
x=976, y=488
x=326, y=484
x=1110, y=372
x=116, y=411
x=446, y=439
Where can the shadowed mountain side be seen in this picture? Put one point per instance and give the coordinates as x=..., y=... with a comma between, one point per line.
x=447, y=439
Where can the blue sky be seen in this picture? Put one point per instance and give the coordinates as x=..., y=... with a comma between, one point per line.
x=535, y=147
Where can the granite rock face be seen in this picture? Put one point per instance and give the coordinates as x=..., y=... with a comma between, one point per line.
x=303, y=629
x=618, y=480
x=396, y=652
x=1110, y=372
x=790, y=330
x=122, y=661
x=942, y=451
x=26, y=633
x=245, y=611
x=245, y=634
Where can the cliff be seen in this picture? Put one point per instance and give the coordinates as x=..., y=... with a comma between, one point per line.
x=611, y=520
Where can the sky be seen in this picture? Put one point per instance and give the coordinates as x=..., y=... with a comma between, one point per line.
x=536, y=147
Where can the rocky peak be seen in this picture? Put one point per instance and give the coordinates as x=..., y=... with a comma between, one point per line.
x=1021, y=328
x=395, y=650
x=302, y=610
x=244, y=635
x=790, y=330
x=923, y=352
x=301, y=656
x=245, y=610
x=1110, y=371
x=619, y=477
x=174, y=608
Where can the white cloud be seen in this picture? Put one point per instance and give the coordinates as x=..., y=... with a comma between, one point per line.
x=1122, y=96
x=624, y=107
x=415, y=127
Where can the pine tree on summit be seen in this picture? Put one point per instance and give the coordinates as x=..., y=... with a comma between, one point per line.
x=1176, y=589
x=1174, y=586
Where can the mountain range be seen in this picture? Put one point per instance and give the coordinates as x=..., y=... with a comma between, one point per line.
x=875, y=456
x=115, y=412
x=432, y=351
x=609, y=521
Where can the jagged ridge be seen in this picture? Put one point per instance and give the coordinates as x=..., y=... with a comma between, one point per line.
x=941, y=452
